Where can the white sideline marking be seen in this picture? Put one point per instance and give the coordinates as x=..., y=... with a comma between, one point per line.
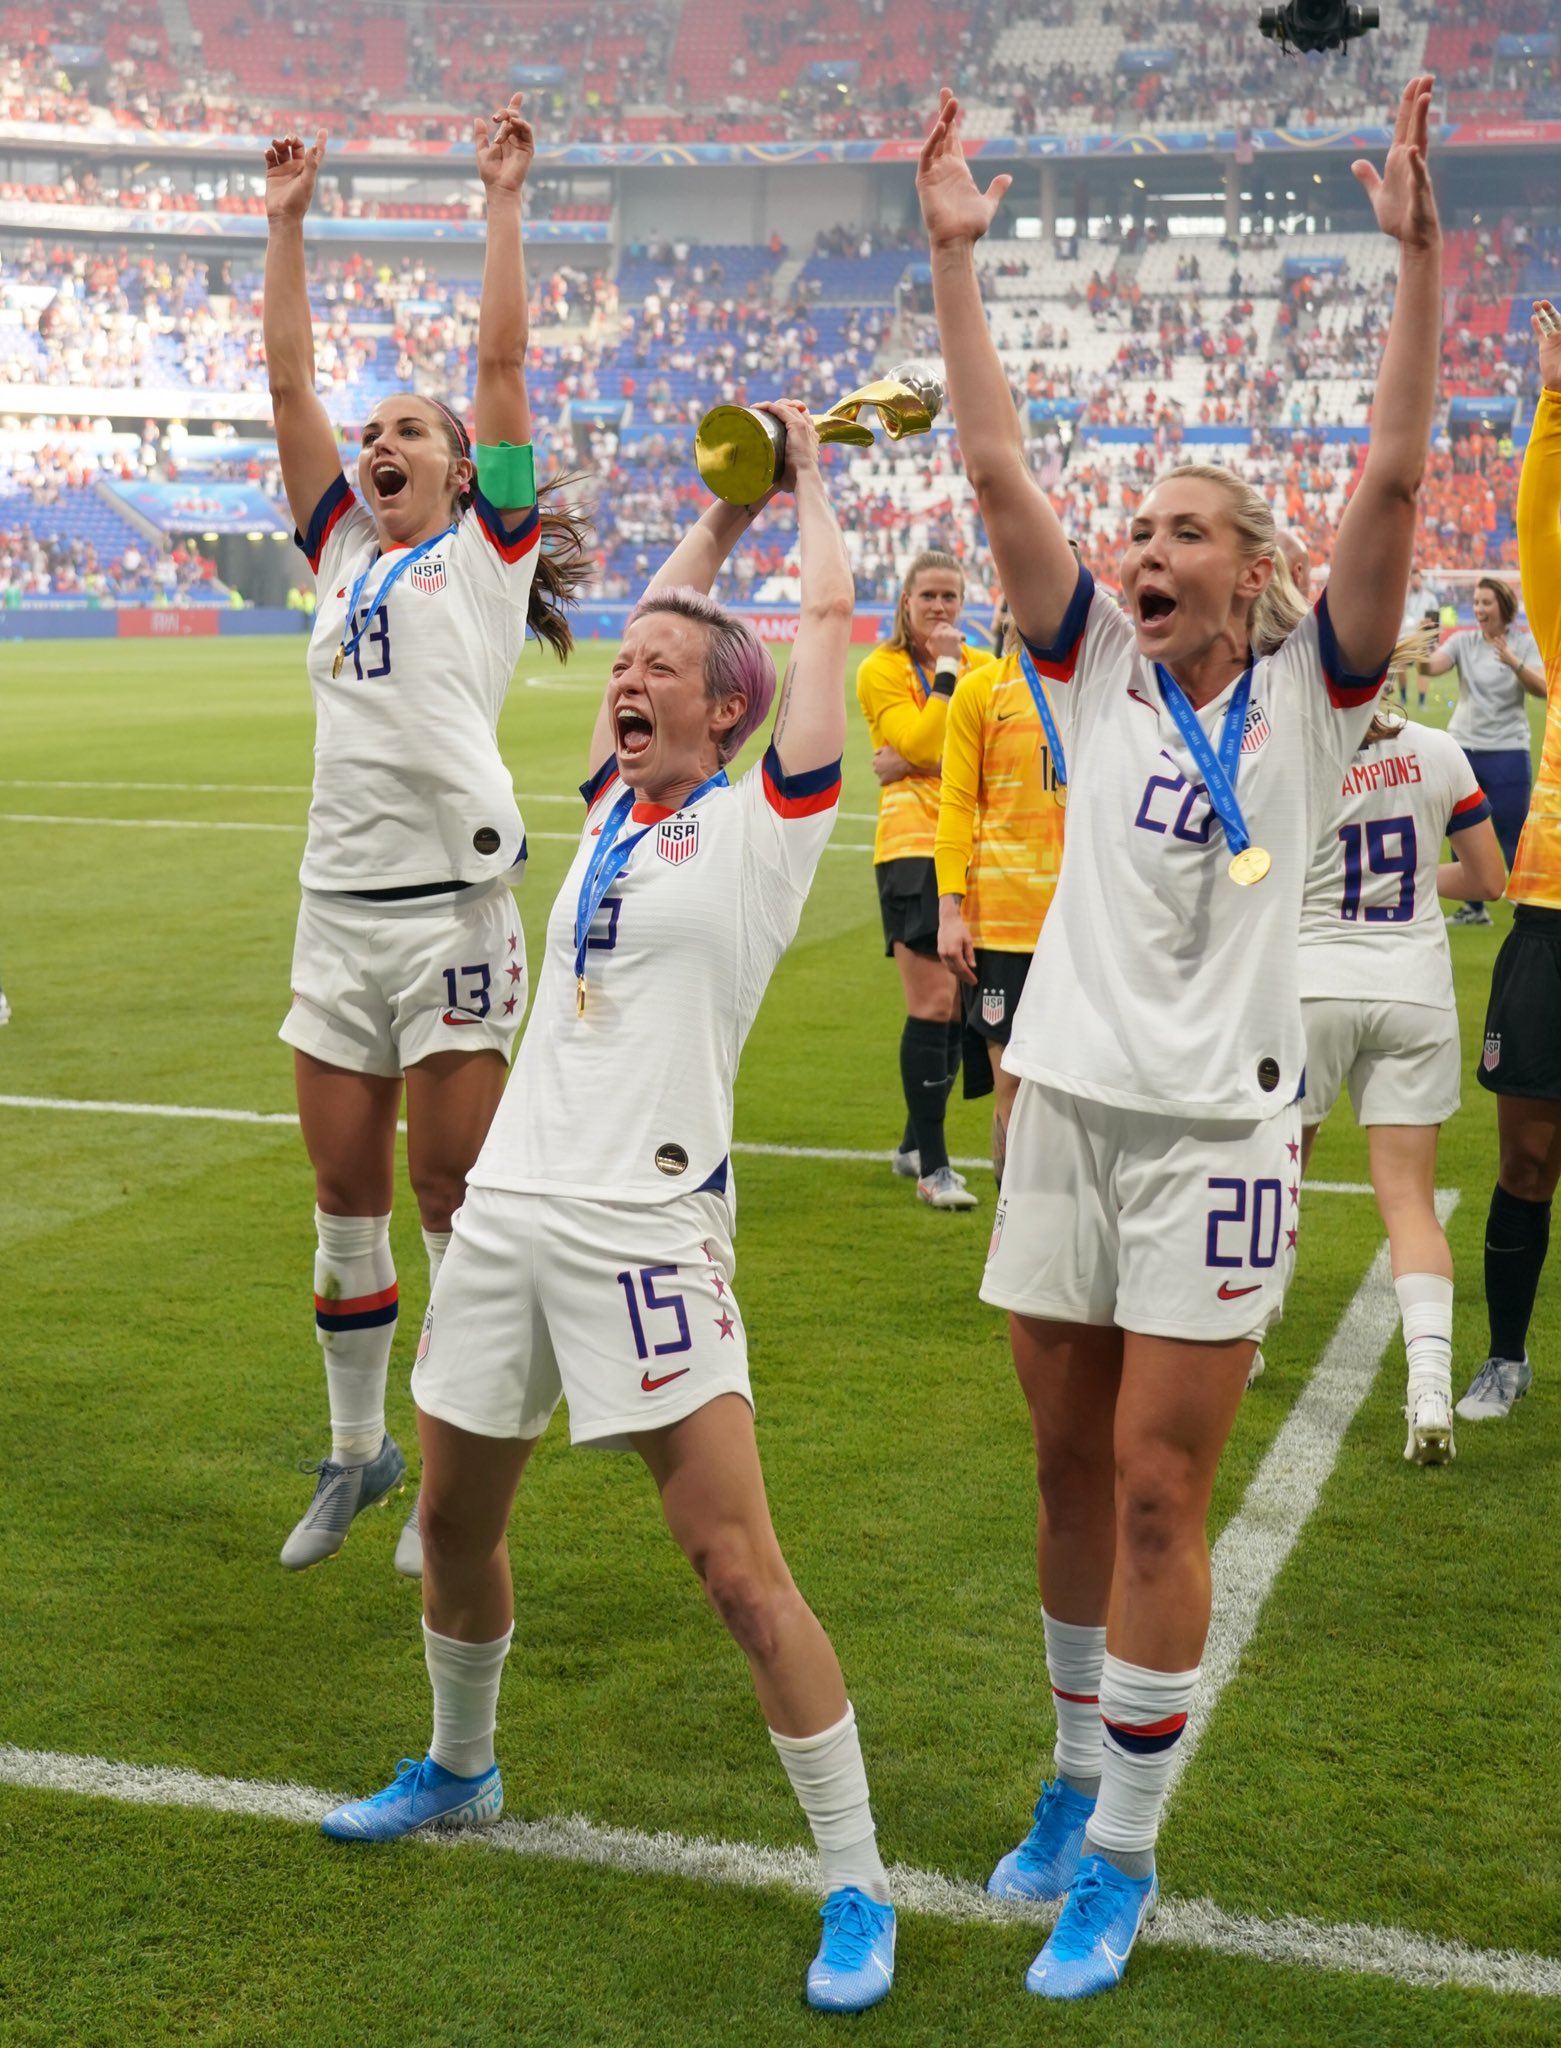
x=1181, y=1923
x=196, y=1114
x=254, y=825
x=1259, y=1537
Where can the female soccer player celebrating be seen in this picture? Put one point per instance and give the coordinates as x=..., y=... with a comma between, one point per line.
x=409, y=961
x=1521, y=1060
x=1498, y=671
x=593, y=1255
x=1378, y=1006
x=999, y=845
x=904, y=688
x=1149, y=1207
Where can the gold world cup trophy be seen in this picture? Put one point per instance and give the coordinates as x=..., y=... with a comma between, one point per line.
x=741, y=452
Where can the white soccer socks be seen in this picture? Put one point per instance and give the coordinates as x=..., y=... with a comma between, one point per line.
x=1142, y=1715
x=355, y=1307
x=465, y=1678
x=830, y=1781
x=1425, y=1304
x=1074, y=1655
x=436, y=1243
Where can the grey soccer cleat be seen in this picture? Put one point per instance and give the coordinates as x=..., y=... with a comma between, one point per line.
x=1429, y=1413
x=409, y=1545
x=1499, y=1383
x=341, y=1491
x=907, y=1164
x=945, y=1190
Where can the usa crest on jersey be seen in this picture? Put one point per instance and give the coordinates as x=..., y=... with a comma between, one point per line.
x=427, y=576
x=1491, y=1057
x=993, y=1003
x=677, y=840
x=1254, y=734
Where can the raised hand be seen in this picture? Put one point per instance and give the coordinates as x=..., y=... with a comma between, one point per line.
x=291, y=170
x=943, y=640
x=802, y=443
x=953, y=206
x=1402, y=198
x=1546, y=323
x=503, y=162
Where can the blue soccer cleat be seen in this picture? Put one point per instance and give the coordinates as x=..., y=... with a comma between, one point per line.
x=340, y=1493
x=854, y=1967
x=1047, y=1861
x=422, y=1795
x=1087, y=1950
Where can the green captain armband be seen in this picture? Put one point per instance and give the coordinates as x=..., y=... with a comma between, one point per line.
x=507, y=474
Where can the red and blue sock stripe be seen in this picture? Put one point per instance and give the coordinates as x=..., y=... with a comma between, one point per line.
x=359, y=1312
x=1146, y=1738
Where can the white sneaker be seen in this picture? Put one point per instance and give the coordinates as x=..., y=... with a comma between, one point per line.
x=1430, y=1414
x=5, y=1008
x=1256, y=1369
x=1471, y=913
x=945, y=1190
x=1499, y=1383
x=907, y=1164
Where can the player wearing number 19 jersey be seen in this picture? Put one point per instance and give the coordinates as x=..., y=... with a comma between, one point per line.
x=593, y=1257
x=1379, y=1011
x=1149, y=1207
x=409, y=965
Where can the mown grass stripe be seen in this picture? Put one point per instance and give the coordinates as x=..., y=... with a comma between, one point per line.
x=1181, y=1923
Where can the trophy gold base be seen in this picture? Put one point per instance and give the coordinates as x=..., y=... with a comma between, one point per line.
x=741, y=452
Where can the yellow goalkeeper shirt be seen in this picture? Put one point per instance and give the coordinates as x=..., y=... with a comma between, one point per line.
x=1000, y=817
x=904, y=713
x=1536, y=873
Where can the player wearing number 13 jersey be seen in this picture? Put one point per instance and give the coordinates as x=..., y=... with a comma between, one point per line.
x=1149, y=1209
x=409, y=964
x=1379, y=1012
x=593, y=1258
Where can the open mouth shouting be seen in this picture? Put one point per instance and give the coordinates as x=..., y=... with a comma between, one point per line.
x=1153, y=610
x=388, y=478
x=632, y=731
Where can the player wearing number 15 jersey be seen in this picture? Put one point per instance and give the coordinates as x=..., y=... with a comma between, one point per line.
x=1149, y=1208
x=409, y=965
x=1379, y=1013
x=593, y=1257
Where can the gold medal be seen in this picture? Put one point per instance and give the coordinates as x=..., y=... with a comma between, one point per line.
x=1249, y=866
x=336, y=664
x=579, y=995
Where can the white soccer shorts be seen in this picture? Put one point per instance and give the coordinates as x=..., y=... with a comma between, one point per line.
x=379, y=986
x=1400, y=1060
x=626, y=1311
x=1163, y=1227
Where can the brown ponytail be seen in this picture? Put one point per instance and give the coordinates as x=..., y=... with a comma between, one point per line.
x=563, y=563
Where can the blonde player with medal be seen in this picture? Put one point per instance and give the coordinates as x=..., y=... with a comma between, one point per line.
x=1378, y=1006
x=1520, y=1058
x=998, y=846
x=593, y=1256
x=409, y=967
x=1149, y=1211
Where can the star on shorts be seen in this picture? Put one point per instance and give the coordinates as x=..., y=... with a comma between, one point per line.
x=724, y=1324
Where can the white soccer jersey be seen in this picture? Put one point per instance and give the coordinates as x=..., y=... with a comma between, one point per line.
x=632, y=1101
x=1159, y=983
x=409, y=784
x=1371, y=922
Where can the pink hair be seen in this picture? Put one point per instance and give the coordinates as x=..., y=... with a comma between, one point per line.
x=737, y=662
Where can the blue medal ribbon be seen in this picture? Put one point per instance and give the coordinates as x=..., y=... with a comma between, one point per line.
x=609, y=858
x=398, y=569
x=1044, y=713
x=1219, y=770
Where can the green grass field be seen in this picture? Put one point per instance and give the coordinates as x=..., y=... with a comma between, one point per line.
x=1381, y=1760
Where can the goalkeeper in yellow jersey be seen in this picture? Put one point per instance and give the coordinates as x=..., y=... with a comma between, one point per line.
x=998, y=846
x=1520, y=1061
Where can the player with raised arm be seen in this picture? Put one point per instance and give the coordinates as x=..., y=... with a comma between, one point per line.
x=1498, y=670
x=409, y=963
x=593, y=1256
x=1149, y=1211
x=1521, y=1058
x=1380, y=1012
x=905, y=687
x=998, y=848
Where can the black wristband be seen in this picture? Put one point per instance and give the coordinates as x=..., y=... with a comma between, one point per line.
x=945, y=676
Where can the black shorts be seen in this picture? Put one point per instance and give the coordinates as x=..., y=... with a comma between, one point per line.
x=908, y=900
x=1521, y=1054
x=990, y=1005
